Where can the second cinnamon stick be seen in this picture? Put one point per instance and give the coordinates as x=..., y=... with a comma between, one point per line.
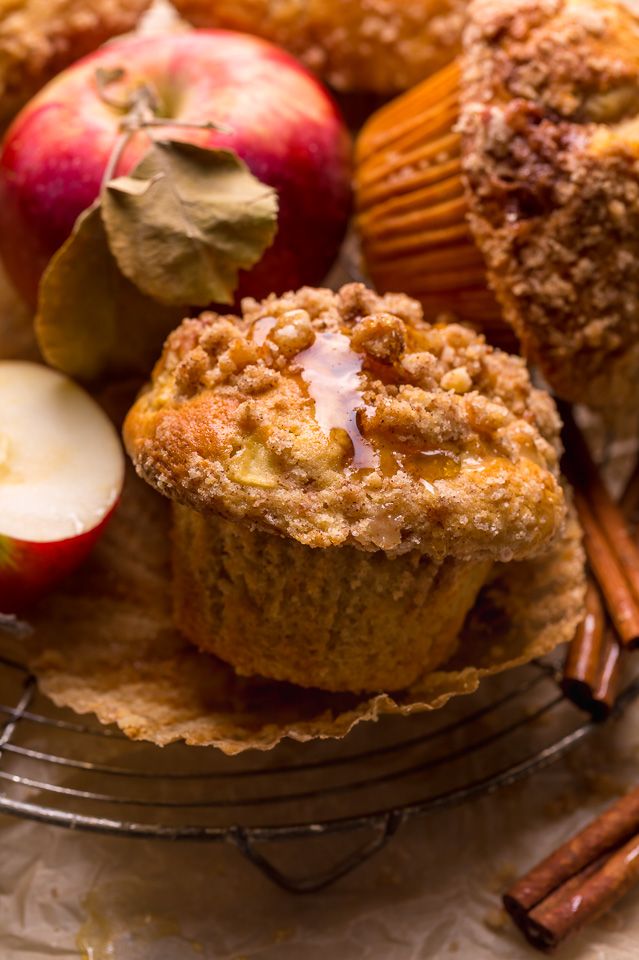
x=614, y=827
x=584, y=897
x=590, y=675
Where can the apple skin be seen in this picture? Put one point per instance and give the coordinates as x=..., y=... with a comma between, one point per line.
x=281, y=122
x=29, y=569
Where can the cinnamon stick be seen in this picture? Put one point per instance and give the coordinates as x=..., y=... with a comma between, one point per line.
x=548, y=921
x=586, y=875
x=581, y=879
x=607, y=512
x=605, y=693
x=584, y=898
x=591, y=672
x=621, y=603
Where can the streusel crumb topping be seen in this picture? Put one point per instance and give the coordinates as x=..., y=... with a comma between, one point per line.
x=339, y=418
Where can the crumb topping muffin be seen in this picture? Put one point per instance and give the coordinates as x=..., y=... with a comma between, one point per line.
x=380, y=46
x=550, y=124
x=345, y=419
x=344, y=476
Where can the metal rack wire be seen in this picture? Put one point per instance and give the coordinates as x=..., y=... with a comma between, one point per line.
x=81, y=775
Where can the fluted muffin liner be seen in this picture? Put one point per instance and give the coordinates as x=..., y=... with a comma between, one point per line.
x=412, y=207
x=105, y=644
x=337, y=618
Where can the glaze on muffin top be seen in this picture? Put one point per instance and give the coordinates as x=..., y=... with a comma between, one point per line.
x=345, y=418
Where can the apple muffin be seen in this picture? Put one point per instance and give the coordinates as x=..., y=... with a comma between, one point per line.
x=505, y=189
x=344, y=476
x=376, y=46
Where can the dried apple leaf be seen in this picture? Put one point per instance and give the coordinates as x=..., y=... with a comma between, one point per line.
x=91, y=320
x=186, y=220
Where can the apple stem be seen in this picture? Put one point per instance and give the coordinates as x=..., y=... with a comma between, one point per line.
x=141, y=108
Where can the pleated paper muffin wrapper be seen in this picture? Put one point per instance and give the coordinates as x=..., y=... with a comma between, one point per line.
x=105, y=644
x=412, y=207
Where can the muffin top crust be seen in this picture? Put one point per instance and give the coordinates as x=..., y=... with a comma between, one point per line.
x=550, y=125
x=338, y=418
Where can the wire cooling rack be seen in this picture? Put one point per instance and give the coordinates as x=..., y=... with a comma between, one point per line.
x=82, y=775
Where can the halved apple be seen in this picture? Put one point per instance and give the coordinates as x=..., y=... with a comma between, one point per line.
x=61, y=475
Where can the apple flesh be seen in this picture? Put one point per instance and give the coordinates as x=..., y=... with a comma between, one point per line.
x=61, y=475
x=279, y=120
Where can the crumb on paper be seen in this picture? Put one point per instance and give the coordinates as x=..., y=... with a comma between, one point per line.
x=604, y=785
x=388, y=877
x=612, y=921
x=283, y=935
x=502, y=877
x=495, y=920
x=564, y=804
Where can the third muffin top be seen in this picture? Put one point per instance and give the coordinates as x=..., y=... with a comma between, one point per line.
x=344, y=417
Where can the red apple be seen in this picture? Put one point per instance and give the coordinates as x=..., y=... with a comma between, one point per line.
x=61, y=474
x=280, y=121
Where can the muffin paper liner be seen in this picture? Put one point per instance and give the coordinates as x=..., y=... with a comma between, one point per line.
x=412, y=207
x=105, y=643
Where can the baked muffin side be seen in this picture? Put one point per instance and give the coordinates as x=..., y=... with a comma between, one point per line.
x=344, y=476
x=337, y=618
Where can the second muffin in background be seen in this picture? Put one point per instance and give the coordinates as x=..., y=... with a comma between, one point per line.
x=345, y=474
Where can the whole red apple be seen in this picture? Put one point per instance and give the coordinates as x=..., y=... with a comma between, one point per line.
x=61, y=475
x=278, y=119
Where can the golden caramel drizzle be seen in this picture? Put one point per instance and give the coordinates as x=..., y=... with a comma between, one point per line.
x=331, y=371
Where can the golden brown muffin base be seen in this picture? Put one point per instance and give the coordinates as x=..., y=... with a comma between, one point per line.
x=38, y=38
x=105, y=644
x=337, y=618
x=381, y=46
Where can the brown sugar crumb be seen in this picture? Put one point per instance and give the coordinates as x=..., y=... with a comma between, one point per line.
x=344, y=418
x=496, y=920
x=382, y=336
x=550, y=106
